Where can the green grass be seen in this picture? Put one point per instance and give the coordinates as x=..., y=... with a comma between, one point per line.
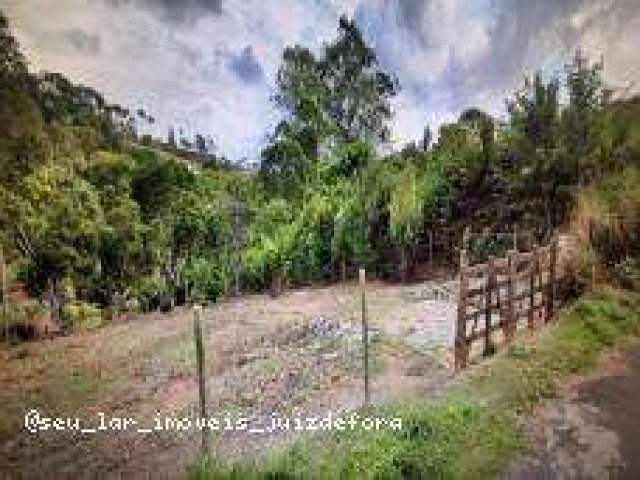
x=444, y=440
x=529, y=369
x=473, y=431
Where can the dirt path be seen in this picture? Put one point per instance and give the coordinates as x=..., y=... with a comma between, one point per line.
x=593, y=430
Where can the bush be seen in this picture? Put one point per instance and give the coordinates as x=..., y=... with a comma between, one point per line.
x=579, y=267
x=607, y=214
x=627, y=273
x=22, y=322
x=208, y=278
x=149, y=291
x=82, y=316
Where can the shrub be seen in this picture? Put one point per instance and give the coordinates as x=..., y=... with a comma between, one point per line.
x=607, y=214
x=627, y=273
x=149, y=291
x=82, y=316
x=209, y=279
x=22, y=322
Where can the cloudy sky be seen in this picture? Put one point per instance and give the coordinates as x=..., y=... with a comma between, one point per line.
x=210, y=65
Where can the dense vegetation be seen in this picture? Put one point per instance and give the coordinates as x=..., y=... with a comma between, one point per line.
x=93, y=213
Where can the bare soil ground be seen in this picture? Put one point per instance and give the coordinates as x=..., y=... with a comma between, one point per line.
x=300, y=352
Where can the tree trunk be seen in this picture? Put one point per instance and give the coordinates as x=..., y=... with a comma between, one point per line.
x=547, y=213
x=237, y=277
x=403, y=263
x=276, y=284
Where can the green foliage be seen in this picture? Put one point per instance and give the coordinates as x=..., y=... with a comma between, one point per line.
x=209, y=278
x=12, y=63
x=607, y=213
x=359, y=91
x=60, y=221
x=627, y=273
x=444, y=440
x=285, y=165
x=582, y=119
x=156, y=179
x=593, y=323
x=148, y=290
x=82, y=201
x=340, y=99
x=349, y=228
x=82, y=316
x=406, y=205
x=556, y=147
x=20, y=320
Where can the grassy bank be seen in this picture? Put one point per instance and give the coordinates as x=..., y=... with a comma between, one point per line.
x=472, y=431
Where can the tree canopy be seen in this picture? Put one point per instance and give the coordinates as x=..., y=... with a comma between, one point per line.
x=90, y=209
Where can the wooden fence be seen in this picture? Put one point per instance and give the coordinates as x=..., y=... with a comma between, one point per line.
x=503, y=294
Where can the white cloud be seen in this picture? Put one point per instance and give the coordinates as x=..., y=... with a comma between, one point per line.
x=447, y=54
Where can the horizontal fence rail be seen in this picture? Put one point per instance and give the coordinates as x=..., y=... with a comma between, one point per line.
x=502, y=295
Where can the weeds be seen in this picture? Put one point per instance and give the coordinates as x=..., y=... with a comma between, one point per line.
x=471, y=432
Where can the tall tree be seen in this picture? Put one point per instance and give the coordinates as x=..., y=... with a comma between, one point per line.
x=342, y=97
x=359, y=90
x=543, y=172
x=58, y=228
x=13, y=65
x=582, y=118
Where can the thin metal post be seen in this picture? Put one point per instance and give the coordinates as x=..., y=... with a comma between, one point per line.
x=236, y=247
x=365, y=335
x=197, y=330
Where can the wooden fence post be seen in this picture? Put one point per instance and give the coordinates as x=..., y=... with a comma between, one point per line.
x=465, y=239
x=464, y=259
x=197, y=330
x=511, y=320
x=5, y=295
x=460, y=354
x=541, y=286
x=515, y=237
x=533, y=271
x=365, y=335
x=488, y=349
x=593, y=265
x=553, y=254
